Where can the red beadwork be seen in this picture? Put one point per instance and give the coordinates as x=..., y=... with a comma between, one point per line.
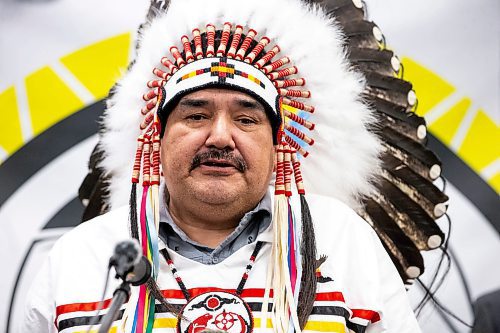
x=146, y=162
x=235, y=42
x=198, y=50
x=292, y=116
x=187, y=48
x=299, y=134
x=257, y=50
x=289, y=83
x=267, y=57
x=296, y=146
x=177, y=56
x=221, y=51
x=298, y=174
x=149, y=106
x=246, y=44
x=155, y=177
x=156, y=83
x=151, y=94
x=298, y=105
x=277, y=64
x=296, y=167
x=147, y=120
x=294, y=93
x=169, y=64
x=160, y=73
x=283, y=73
x=287, y=170
x=280, y=175
x=210, y=40
x=137, y=161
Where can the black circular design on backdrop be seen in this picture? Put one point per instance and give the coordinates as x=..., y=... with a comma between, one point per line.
x=470, y=184
x=47, y=146
x=68, y=216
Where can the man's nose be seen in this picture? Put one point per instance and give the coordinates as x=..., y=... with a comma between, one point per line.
x=221, y=134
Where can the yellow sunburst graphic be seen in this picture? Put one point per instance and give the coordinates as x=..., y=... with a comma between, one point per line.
x=55, y=92
x=454, y=119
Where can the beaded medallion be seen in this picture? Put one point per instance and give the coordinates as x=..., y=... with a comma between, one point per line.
x=216, y=311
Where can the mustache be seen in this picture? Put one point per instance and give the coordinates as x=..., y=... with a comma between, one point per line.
x=219, y=154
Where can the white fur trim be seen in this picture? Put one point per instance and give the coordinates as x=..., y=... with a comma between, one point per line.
x=344, y=157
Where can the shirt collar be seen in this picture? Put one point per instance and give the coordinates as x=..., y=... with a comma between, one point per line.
x=264, y=205
x=267, y=234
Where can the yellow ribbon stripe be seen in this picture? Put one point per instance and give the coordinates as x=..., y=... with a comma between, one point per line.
x=325, y=326
x=222, y=69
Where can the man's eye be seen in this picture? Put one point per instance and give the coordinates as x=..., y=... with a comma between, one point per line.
x=247, y=121
x=196, y=117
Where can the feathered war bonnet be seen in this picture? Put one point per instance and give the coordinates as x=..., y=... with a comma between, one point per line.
x=290, y=56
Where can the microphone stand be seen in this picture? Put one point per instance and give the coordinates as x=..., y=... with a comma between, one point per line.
x=120, y=296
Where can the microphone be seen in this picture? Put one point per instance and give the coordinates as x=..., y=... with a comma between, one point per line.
x=129, y=264
x=141, y=272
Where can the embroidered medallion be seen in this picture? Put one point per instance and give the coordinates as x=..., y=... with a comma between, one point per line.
x=218, y=311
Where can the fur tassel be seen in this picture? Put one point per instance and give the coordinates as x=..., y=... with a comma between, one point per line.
x=307, y=293
x=134, y=226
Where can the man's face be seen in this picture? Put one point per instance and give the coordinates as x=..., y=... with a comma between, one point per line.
x=218, y=149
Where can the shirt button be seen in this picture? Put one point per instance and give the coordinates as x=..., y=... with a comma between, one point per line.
x=215, y=260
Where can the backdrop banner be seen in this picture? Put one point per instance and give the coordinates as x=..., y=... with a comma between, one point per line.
x=60, y=58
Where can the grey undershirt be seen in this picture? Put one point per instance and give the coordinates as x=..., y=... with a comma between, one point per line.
x=252, y=224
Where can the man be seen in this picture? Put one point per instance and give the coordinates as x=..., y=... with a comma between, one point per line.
x=228, y=254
